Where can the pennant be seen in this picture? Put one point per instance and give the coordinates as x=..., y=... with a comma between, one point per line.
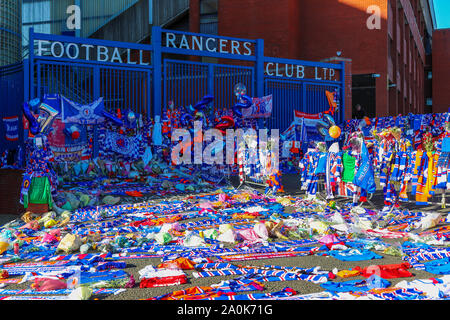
x=364, y=177
x=11, y=128
x=261, y=108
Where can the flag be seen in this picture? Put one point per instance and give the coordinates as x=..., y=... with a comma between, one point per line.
x=364, y=177
x=11, y=128
x=89, y=114
x=261, y=108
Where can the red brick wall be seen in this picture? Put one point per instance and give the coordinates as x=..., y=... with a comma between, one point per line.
x=342, y=26
x=194, y=16
x=253, y=19
x=348, y=83
x=441, y=70
x=313, y=32
x=10, y=185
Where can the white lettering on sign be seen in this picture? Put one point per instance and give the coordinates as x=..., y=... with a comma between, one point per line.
x=72, y=51
x=87, y=48
x=210, y=44
x=286, y=70
x=53, y=49
x=101, y=53
x=116, y=56
x=89, y=52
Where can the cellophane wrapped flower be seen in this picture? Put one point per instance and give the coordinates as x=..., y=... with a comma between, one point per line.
x=321, y=146
x=427, y=141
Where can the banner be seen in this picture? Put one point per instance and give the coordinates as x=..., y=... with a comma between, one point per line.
x=122, y=144
x=11, y=128
x=315, y=126
x=82, y=114
x=66, y=149
x=261, y=108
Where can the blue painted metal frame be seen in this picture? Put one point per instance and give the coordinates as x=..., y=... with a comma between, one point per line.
x=304, y=82
x=157, y=77
x=96, y=66
x=11, y=93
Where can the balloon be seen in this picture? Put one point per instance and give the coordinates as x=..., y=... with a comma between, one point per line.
x=247, y=104
x=335, y=132
x=34, y=124
x=131, y=116
x=322, y=128
x=185, y=119
x=226, y=122
x=190, y=109
x=204, y=102
x=34, y=103
x=130, y=119
x=237, y=111
x=72, y=132
x=329, y=119
x=46, y=116
x=240, y=89
x=113, y=118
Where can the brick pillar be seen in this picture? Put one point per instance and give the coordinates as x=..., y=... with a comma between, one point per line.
x=10, y=186
x=194, y=22
x=194, y=16
x=348, y=83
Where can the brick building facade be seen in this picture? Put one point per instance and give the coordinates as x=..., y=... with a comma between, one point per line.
x=387, y=59
x=441, y=70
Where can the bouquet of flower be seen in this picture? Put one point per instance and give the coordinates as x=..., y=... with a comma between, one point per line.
x=321, y=146
x=428, y=142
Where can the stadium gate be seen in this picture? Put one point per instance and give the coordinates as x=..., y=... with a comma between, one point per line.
x=177, y=66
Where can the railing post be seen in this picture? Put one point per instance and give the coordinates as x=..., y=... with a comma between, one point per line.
x=342, y=106
x=259, y=67
x=29, y=77
x=260, y=72
x=157, y=72
x=96, y=82
x=210, y=79
x=26, y=79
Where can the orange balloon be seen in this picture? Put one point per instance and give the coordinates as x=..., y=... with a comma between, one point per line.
x=334, y=132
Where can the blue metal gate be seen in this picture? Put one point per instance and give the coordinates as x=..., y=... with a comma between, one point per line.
x=137, y=76
x=186, y=82
x=11, y=95
x=122, y=85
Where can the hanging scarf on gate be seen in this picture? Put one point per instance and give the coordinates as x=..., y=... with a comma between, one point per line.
x=432, y=172
x=420, y=178
x=385, y=167
x=333, y=172
x=309, y=167
x=426, y=180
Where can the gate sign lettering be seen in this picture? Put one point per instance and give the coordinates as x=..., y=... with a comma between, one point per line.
x=210, y=44
x=149, y=60
x=193, y=42
x=285, y=70
x=89, y=52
